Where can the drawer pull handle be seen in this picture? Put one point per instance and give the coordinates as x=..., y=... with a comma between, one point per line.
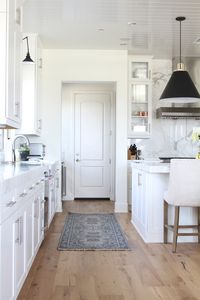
x=23, y=194
x=11, y=203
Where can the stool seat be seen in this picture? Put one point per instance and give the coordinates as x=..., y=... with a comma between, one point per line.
x=183, y=190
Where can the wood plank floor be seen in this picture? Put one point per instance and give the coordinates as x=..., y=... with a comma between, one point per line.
x=148, y=272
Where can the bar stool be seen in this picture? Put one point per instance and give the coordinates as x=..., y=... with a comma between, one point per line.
x=183, y=190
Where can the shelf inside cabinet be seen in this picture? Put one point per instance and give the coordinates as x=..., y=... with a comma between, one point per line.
x=139, y=116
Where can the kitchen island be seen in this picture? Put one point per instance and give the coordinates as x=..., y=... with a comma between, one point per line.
x=149, y=181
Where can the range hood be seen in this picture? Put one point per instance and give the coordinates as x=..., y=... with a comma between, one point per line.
x=178, y=113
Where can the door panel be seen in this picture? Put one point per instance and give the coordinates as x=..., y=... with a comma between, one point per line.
x=92, y=145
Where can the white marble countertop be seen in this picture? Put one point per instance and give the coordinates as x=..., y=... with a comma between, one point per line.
x=9, y=170
x=153, y=166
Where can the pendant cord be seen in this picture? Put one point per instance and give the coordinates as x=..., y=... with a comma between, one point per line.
x=27, y=44
x=180, y=43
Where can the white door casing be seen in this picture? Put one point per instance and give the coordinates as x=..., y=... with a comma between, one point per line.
x=92, y=145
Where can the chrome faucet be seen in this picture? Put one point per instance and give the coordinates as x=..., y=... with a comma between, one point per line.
x=14, y=142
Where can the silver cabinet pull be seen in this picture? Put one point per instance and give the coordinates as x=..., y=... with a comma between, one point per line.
x=77, y=160
x=11, y=203
x=139, y=179
x=18, y=232
x=19, y=239
x=21, y=230
x=23, y=194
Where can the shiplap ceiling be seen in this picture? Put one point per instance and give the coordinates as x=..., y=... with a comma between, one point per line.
x=75, y=24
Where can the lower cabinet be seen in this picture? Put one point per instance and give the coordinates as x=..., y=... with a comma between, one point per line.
x=7, y=261
x=20, y=237
x=139, y=200
x=147, y=203
x=19, y=241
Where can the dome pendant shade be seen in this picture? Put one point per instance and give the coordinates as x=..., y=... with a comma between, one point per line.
x=180, y=89
x=28, y=58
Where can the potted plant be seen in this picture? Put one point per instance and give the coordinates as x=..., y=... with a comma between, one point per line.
x=24, y=152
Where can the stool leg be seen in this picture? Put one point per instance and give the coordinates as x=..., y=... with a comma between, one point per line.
x=165, y=222
x=175, y=232
x=199, y=224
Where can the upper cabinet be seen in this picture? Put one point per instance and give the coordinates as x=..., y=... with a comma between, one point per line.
x=10, y=65
x=31, y=87
x=139, y=97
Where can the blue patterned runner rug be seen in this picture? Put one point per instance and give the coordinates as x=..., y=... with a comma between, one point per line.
x=92, y=232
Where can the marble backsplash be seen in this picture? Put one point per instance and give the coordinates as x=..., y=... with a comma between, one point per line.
x=169, y=137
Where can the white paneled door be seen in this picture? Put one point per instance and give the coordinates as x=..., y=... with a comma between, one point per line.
x=92, y=145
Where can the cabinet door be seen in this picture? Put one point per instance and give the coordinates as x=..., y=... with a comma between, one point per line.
x=140, y=102
x=29, y=233
x=135, y=195
x=6, y=261
x=139, y=122
x=3, y=73
x=142, y=204
x=17, y=77
x=19, y=250
x=36, y=223
x=38, y=118
x=10, y=110
x=139, y=69
x=41, y=214
x=138, y=200
x=9, y=68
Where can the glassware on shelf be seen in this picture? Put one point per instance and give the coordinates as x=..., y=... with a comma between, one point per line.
x=139, y=70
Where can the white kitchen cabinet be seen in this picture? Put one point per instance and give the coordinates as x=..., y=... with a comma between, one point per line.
x=139, y=200
x=129, y=185
x=10, y=60
x=19, y=223
x=21, y=234
x=57, y=186
x=52, y=190
x=139, y=97
x=29, y=233
x=147, y=202
x=38, y=218
x=31, y=87
x=7, y=262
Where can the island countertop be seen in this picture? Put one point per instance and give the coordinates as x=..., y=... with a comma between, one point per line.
x=150, y=166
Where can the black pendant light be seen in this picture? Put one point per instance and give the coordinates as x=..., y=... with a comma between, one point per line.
x=180, y=88
x=28, y=58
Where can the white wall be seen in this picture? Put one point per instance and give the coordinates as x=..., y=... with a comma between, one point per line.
x=86, y=66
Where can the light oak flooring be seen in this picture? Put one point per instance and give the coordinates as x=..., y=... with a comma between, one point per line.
x=147, y=272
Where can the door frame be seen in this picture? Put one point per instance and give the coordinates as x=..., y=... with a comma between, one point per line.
x=70, y=162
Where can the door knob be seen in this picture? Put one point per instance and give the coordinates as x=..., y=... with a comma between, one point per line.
x=77, y=160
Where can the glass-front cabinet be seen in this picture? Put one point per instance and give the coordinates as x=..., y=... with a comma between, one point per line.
x=139, y=108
